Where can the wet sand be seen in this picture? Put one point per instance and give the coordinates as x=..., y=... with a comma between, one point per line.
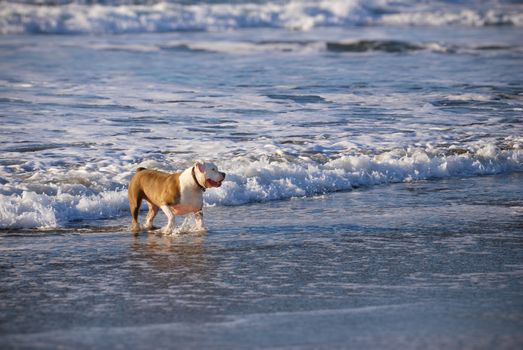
x=422, y=265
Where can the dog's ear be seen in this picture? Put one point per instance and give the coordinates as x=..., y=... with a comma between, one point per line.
x=200, y=166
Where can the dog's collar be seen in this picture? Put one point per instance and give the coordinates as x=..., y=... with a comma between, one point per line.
x=196, y=180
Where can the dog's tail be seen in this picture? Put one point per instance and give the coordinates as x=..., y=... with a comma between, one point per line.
x=140, y=169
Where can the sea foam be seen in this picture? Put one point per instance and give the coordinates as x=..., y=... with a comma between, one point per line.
x=265, y=180
x=74, y=17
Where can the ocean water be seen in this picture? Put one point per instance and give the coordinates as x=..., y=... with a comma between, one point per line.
x=364, y=94
x=438, y=267
x=373, y=152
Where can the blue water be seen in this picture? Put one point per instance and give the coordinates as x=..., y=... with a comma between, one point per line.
x=320, y=111
x=373, y=152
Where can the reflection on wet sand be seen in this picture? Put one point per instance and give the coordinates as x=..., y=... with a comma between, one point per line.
x=169, y=262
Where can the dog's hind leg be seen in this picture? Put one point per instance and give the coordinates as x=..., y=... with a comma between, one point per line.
x=153, y=210
x=135, y=201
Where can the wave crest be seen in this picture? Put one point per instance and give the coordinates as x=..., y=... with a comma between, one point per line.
x=267, y=180
x=76, y=17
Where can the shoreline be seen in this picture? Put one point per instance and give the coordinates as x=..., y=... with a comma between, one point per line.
x=82, y=226
x=434, y=264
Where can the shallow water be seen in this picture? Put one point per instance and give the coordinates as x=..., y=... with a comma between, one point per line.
x=357, y=137
x=316, y=112
x=431, y=264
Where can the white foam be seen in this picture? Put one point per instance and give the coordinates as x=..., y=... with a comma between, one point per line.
x=164, y=16
x=26, y=210
x=30, y=209
x=118, y=17
x=469, y=97
x=464, y=17
x=265, y=180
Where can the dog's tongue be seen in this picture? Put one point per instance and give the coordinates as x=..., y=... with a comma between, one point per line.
x=213, y=183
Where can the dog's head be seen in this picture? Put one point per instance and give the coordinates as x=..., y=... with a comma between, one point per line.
x=210, y=174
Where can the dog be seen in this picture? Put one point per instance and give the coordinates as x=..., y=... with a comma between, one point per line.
x=175, y=194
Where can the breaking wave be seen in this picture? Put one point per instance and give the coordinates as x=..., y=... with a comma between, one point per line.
x=55, y=205
x=116, y=16
x=305, y=46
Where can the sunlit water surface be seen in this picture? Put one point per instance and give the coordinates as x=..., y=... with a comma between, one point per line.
x=430, y=264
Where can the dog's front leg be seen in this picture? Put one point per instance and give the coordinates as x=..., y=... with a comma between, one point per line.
x=168, y=229
x=198, y=218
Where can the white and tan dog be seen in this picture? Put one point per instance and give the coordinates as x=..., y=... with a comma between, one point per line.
x=176, y=193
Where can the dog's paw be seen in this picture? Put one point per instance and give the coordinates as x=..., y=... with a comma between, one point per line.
x=166, y=230
x=178, y=231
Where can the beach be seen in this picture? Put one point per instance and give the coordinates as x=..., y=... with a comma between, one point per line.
x=378, y=275
x=374, y=161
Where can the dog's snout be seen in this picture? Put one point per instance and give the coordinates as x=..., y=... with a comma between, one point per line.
x=223, y=175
